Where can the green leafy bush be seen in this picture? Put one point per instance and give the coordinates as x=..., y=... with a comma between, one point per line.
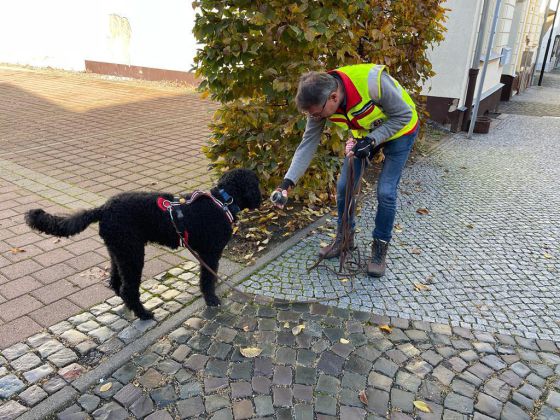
x=255, y=51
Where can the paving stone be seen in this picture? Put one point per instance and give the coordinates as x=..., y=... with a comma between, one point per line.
x=530, y=391
x=282, y=397
x=142, y=406
x=89, y=402
x=513, y=412
x=109, y=393
x=63, y=357
x=190, y=389
x=54, y=384
x=489, y=405
x=73, y=337
x=328, y=384
x=33, y=395
x=125, y=373
x=26, y=362
x=325, y=404
x=458, y=403
x=404, y=379
x=216, y=402
x=378, y=401
x=49, y=347
x=127, y=395
x=282, y=375
x=15, y=351
x=263, y=405
x=463, y=388
x=11, y=410
x=164, y=396
x=444, y=375
x=111, y=411
x=402, y=400
x=553, y=400
x=38, y=339
x=214, y=384
x=37, y=374
x=330, y=363
x=241, y=370
x=243, y=409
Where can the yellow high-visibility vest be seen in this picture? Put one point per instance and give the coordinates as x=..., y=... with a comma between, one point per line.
x=362, y=115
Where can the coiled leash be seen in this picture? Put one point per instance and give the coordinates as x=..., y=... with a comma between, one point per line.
x=349, y=259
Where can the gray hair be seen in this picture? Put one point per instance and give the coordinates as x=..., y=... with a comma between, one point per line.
x=314, y=89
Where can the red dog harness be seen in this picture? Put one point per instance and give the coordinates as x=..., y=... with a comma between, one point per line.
x=177, y=216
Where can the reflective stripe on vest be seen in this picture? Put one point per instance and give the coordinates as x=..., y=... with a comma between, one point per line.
x=362, y=115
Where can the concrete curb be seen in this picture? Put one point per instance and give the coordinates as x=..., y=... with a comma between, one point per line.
x=69, y=393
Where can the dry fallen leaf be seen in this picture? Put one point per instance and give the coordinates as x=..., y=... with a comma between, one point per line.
x=323, y=244
x=379, y=157
x=547, y=255
x=386, y=329
x=419, y=287
x=415, y=251
x=363, y=397
x=344, y=341
x=57, y=240
x=298, y=329
x=422, y=406
x=248, y=256
x=245, y=328
x=398, y=228
x=423, y=210
x=17, y=250
x=470, y=226
x=344, y=280
x=250, y=351
x=106, y=387
x=286, y=324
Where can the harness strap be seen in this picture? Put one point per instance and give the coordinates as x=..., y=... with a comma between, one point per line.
x=176, y=213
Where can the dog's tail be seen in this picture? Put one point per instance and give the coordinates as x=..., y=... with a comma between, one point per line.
x=65, y=226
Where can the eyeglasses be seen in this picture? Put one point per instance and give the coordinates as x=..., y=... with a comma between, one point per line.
x=318, y=115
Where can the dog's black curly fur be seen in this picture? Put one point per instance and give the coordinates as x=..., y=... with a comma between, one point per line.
x=128, y=221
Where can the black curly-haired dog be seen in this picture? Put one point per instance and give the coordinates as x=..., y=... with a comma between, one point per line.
x=128, y=221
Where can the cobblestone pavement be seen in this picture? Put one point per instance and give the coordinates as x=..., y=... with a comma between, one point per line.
x=46, y=362
x=488, y=250
x=320, y=370
x=538, y=100
x=69, y=141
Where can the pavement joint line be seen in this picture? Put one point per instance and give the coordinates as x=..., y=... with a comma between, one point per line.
x=105, y=133
x=64, y=396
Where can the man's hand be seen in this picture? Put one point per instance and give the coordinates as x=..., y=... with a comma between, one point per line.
x=362, y=148
x=350, y=143
x=279, y=197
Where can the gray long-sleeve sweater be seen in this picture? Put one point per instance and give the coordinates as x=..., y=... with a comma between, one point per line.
x=392, y=104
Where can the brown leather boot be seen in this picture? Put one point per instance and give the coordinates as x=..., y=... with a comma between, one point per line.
x=376, y=267
x=333, y=250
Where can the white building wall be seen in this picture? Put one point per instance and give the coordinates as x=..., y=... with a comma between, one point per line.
x=64, y=33
x=452, y=59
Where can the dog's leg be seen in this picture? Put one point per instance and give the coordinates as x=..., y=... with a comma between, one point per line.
x=208, y=280
x=115, y=280
x=130, y=262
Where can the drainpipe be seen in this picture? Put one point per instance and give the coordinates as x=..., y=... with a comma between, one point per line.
x=473, y=71
x=485, y=66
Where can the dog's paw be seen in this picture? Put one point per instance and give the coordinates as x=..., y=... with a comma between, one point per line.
x=144, y=314
x=212, y=300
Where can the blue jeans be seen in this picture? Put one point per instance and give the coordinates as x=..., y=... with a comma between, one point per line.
x=396, y=154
